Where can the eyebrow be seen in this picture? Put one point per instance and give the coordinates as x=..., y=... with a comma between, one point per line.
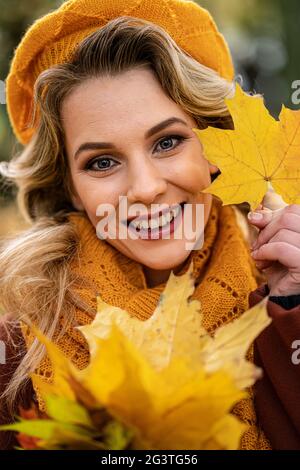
x=105, y=145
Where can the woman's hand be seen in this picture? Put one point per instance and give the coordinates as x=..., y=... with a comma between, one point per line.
x=277, y=248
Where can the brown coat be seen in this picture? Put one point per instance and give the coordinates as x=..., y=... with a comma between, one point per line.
x=277, y=394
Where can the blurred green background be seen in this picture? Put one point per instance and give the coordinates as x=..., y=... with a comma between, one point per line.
x=262, y=35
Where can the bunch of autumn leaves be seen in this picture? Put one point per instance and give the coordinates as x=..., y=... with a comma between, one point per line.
x=163, y=383
x=172, y=386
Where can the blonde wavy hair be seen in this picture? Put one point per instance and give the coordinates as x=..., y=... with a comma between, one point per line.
x=36, y=283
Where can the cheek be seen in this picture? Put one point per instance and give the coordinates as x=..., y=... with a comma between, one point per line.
x=192, y=173
x=89, y=192
x=93, y=192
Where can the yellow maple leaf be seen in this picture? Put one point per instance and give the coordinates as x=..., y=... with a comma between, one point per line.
x=174, y=408
x=259, y=152
x=227, y=350
x=175, y=331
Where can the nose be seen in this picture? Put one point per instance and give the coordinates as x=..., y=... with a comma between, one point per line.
x=146, y=182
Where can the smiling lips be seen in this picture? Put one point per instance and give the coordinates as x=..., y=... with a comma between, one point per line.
x=160, y=219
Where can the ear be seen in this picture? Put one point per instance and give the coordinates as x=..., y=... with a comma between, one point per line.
x=213, y=169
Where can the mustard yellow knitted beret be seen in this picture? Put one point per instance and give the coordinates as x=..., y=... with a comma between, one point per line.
x=52, y=39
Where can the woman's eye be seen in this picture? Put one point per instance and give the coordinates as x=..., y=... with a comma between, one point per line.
x=100, y=164
x=169, y=143
x=104, y=164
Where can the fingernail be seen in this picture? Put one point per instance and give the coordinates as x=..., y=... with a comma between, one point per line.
x=254, y=245
x=254, y=253
x=255, y=215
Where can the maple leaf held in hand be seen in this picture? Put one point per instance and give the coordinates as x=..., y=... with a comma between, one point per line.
x=259, y=151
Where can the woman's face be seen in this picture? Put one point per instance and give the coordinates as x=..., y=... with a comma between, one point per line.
x=146, y=151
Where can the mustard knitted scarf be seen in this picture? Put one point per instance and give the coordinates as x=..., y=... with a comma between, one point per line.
x=224, y=276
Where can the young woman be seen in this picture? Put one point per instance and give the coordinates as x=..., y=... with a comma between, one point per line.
x=116, y=89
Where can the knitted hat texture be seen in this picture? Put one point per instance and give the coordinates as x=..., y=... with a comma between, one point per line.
x=52, y=39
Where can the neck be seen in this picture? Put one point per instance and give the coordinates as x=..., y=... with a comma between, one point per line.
x=154, y=277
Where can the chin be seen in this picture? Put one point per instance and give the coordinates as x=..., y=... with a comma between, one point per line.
x=164, y=262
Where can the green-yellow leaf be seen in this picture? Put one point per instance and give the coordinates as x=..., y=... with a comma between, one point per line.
x=116, y=436
x=40, y=428
x=64, y=410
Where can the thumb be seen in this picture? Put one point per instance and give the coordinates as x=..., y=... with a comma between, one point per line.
x=260, y=217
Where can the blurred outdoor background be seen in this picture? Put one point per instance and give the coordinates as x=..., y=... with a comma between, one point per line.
x=262, y=34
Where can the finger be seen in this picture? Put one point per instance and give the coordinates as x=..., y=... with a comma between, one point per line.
x=273, y=200
x=294, y=208
x=286, y=221
x=283, y=235
x=263, y=264
x=261, y=218
x=287, y=236
x=288, y=255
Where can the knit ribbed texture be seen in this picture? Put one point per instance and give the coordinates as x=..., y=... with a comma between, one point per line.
x=224, y=276
x=51, y=40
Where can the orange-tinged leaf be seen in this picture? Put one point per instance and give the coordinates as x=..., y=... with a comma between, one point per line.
x=30, y=413
x=28, y=442
x=259, y=152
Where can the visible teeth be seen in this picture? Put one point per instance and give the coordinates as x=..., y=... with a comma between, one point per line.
x=169, y=216
x=144, y=224
x=176, y=211
x=154, y=223
x=158, y=222
x=163, y=220
x=136, y=224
